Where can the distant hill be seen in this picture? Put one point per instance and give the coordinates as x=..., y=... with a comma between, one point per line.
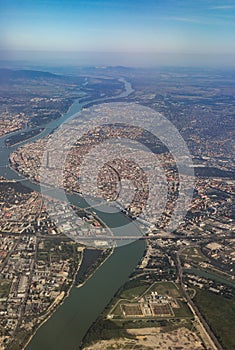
x=107, y=69
x=7, y=75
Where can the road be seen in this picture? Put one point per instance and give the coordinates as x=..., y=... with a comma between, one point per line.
x=212, y=340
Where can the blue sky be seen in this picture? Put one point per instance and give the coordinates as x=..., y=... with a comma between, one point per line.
x=169, y=28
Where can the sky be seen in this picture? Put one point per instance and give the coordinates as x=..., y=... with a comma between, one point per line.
x=138, y=32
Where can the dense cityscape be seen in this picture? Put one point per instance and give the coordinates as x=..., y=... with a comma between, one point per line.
x=170, y=298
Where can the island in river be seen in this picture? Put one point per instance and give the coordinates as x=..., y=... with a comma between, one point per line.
x=22, y=136
x=203, y=241
x=35, y=295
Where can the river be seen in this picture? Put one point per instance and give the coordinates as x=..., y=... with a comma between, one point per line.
x=65, y=329
x=68, y=325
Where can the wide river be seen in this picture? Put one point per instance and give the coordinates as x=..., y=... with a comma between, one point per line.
x=65, y=329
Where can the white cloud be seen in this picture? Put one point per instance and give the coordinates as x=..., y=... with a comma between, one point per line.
x=223, y=7
x=186, y=19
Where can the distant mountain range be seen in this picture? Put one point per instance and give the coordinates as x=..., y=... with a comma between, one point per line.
x=6, y=75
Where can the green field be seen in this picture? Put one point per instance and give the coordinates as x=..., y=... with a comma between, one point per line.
x=162, y=288
x=167, y=288
x=219, y=312
x=194, y=254
x=132, y=293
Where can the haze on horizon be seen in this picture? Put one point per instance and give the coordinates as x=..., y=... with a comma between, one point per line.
x=140, y=33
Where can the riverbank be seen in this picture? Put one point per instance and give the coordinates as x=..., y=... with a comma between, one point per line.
x=56, y=303
x=15, y=140
x=67, y=326
x=90, y=273
x=69, y=319
x=61, y=299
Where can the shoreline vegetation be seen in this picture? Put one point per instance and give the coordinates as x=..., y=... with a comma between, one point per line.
x=89, y=272
x=24, y=135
